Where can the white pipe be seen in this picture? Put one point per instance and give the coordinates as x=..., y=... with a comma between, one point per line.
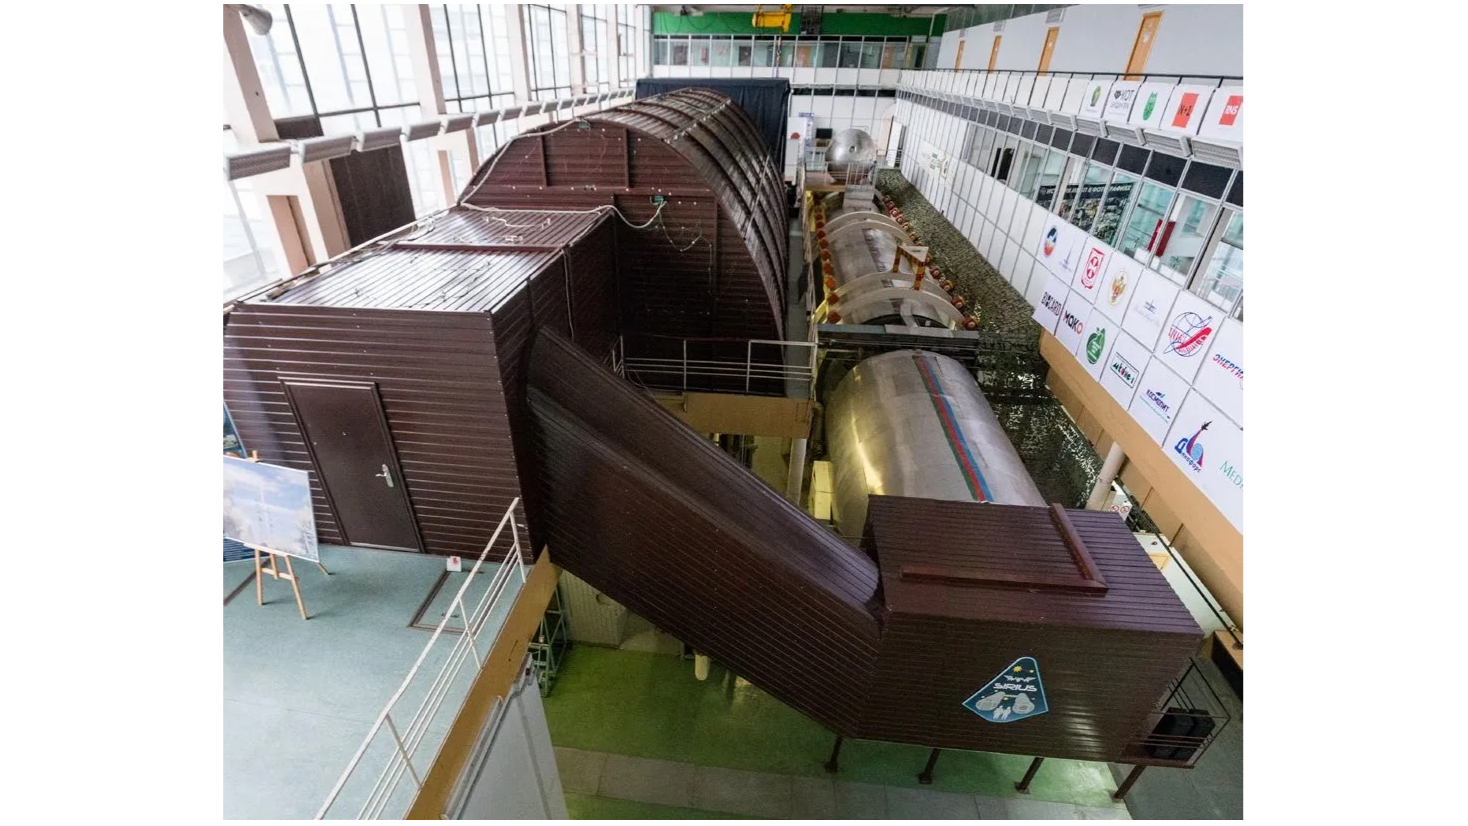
x=700, y=666
x=1114, y=457
x=796, y=479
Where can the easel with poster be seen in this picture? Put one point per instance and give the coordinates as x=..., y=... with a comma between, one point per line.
x=268, y=509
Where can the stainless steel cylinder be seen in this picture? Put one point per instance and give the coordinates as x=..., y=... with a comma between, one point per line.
x=863, y=245
x=914, y=423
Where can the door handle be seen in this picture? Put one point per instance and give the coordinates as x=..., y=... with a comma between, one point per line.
x=385, y=474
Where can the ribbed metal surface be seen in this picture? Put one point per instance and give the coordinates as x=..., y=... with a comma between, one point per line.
x=663, y=522
x=591, y=616
x=463, y=282
x=439, y=381
x=713, y=262
x=914, y=423
x=510, y=229
x=1105, y=659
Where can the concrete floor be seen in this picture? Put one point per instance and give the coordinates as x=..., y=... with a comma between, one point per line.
x=300, y=696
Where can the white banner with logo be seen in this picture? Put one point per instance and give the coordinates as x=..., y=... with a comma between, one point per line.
x=1221, y=376
x=1118, y=284
x=1159, y=395
x=1120, y=99
x=1151, y=302
x=1151, y=101
x=1088, y=275
x=1210, y=450
x=1123, y=369
x=1185, y=109
x=1052, y=302
x=1060, y=248
x=1095, y=345
x=1187, y=334
x=1093, y=104
x=1225, y=118
x=1073, y=320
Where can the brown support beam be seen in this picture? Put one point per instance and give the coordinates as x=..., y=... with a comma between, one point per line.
x=831, y=765
x=926, y=776
x=1023, y=786
x=1126, y=785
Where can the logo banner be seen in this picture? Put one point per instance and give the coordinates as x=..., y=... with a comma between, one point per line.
x=1151, y=102
x=1221, y=376
x=1225, y=118
x=1073, y=319
x=1123, y=369
x=1120, y=99
x=1185, y=109
x=1152, y=300
x=1051, y=304
x=1188, y=334
x=1209, y=450
x=1158, y=397
x=1118, y=285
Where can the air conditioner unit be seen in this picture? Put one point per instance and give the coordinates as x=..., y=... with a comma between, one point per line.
x=256, y=162
x=1166, y=141
x=1218, y=152
x=321, y=149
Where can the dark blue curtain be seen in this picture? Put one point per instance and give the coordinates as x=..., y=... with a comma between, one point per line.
x=766, y=101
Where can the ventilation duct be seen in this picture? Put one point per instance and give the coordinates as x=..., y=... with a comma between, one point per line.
x=371, y=140
x=257, y=162
x=457, y=123
x=321, y=149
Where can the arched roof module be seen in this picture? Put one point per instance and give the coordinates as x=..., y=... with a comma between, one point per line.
x=710, y=261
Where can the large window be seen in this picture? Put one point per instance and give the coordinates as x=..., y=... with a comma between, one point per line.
x=550, y=60
x=1146, y=218
x=627, y=44
x=1186, y=231
x=1222, y=282
x=593, y=49
x=464, y=43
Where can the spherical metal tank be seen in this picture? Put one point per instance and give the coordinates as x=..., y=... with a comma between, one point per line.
x=914, y=423
x=850, y=146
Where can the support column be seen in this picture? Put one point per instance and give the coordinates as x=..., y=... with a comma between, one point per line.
x=1127, y=783
x=1023, y=786
x=1109, y=468
x=795, y=480
x=926, y=777
x=831, y=765
x=431, y=103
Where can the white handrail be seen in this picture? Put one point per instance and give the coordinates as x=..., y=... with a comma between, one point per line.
x=406, y=742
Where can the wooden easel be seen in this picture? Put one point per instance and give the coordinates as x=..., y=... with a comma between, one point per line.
x=274, y=569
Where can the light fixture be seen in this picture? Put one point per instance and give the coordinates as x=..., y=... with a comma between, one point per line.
x=259, y=18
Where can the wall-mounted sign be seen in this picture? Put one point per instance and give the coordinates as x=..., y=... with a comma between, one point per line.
x=1224, y=120
x=1092, y=267
x=1188, y=333
x=1073, y=317
x=1123, y=367
x=1060, y=249
x=1185, y=109
x=1095, y=347
x=1119, y=100
x=1150, y=104
x=1210, y=451
x=1151, y=302
x=1221, y=376
x=1052, y=303
x=1093, y=103
x=1014, y=694
x=1158, y=397
x=1118, y=284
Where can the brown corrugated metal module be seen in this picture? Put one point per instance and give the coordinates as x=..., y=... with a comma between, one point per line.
x=712, y=262
x=439, y=323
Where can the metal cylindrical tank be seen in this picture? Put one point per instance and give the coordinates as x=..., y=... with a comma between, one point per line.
x=914, y=423
x=863, y=245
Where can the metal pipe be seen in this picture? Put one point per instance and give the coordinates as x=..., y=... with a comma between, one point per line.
x=1109, y=468
x=796, y=478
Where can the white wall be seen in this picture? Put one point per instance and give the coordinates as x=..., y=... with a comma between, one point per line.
x=512, y=774
x=1205, y=39
x=1195, y=39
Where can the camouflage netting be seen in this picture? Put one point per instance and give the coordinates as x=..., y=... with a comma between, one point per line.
x=1056, y=453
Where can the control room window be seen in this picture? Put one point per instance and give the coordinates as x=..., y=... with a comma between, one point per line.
x=1145, y=221
x=1187, y=229
x=1222, y=281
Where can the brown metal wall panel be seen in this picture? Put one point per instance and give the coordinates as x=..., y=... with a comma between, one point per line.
x=440, y=390
x=663, y=522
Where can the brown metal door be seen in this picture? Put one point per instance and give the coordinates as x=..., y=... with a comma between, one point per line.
x=352, y=450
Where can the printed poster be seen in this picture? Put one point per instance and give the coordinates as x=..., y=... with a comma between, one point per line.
x=1187, y=334
x=1093, y=104
x=1159, y=395
x=1209, y=450
x=1147, y=313
x=1151, y=102
x=1060, y=248
x=1073, y=318
x=1119, y=100
x=1095, y=345
x=1185, y=109
x=1224, y=120
x=1124, y=367
x=1118, y=284
x=1093, y=265
x=1221, y=376
x=269, y=508
x=1052, y=303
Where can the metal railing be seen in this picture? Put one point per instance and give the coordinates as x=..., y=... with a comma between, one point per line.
x=765, y=362
x=407, y=741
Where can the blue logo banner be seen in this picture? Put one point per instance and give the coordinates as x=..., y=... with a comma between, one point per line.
x=1016, y=693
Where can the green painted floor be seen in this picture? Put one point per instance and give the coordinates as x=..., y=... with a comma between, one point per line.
x=591, y=807
x=650, y=705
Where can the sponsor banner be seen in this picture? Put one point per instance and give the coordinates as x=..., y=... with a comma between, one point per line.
x=1151, y=102
x=1210, y=450
x=1093, y=104
x=1119, y=100
x=1188, y=333
x=1152, y=300
x=1122, y=370
x=1095, y=346
x=1185, y=109
x=1094, y=256
x=1073, y=318
x=1224, y=120
x=1117, y=286
x=1159, y=395
x=1060, y=248
x=1221, y=375
x=1052, y=303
